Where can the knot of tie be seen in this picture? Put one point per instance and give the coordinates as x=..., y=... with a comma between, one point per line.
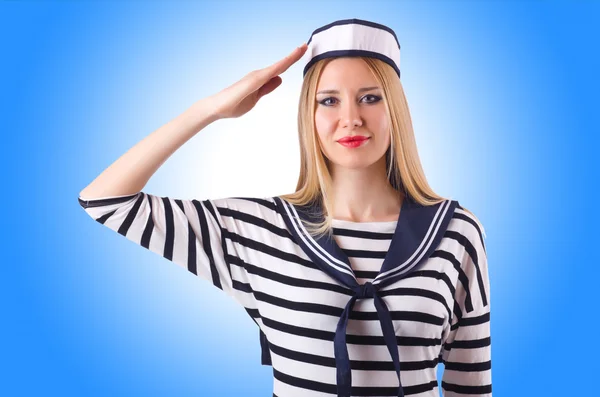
x=365, y=290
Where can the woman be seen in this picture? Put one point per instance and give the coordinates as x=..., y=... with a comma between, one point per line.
x=363, y=279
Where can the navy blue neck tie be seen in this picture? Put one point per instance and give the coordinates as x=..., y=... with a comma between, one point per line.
x=342, y=360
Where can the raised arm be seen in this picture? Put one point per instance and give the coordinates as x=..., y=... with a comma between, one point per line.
x=130, y=173
x=197, y=235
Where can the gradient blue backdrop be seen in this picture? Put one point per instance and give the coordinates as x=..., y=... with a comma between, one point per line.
x=504, y=100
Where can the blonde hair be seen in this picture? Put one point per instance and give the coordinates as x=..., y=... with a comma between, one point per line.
x=403, y=166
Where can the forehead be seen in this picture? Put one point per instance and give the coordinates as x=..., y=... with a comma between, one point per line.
x=345, y=72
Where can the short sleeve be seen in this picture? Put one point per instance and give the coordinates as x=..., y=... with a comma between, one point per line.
x=466, y=352
x=190, y=233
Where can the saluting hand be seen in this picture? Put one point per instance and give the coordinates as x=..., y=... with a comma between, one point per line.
x=240, y=97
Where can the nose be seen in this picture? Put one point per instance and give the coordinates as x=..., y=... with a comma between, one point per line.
x=350, y=115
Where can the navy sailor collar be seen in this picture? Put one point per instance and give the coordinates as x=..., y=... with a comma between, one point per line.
x=418, y=232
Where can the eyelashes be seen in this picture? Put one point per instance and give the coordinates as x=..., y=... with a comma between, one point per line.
x=375, y=99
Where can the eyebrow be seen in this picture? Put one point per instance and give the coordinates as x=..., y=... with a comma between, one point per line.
x=337, y=92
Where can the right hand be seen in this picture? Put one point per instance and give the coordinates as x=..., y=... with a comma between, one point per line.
x=240, y=97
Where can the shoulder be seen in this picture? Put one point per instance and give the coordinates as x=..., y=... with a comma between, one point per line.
x=247, y=208
x=250, y=205
x=469, y=232
x=468, y=225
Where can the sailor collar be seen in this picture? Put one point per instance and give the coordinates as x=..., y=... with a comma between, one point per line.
x=418, y=232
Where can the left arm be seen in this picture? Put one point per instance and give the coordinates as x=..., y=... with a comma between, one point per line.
x=466, y=353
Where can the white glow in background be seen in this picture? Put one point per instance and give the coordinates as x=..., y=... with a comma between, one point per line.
x=501, y=96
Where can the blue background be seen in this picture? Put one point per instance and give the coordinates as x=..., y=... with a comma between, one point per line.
x=504, y=101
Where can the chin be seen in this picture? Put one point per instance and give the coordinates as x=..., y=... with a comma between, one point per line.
x=353, y=164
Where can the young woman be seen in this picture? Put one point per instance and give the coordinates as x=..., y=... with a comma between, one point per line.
x=360, y=281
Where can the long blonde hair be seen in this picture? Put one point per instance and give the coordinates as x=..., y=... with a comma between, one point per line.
x=403, y=166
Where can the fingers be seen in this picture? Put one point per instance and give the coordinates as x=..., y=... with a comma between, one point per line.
x=257, y=78
x=293, y=57
x=269, y=86
x=285, y=63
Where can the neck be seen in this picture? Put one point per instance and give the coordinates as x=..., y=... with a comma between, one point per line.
x=365, y=195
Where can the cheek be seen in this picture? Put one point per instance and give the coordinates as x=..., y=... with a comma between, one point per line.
x=324, y=123
x=379, y=124
x=384, y=129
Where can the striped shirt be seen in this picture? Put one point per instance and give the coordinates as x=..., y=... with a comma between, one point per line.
x=416, y=289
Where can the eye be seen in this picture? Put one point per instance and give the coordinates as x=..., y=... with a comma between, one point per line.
x=323, y=101
x=375, y=98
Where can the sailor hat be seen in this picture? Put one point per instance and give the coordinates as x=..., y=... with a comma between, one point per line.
x=353, y=37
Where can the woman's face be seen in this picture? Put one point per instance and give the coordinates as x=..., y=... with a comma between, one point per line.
x=350, y=103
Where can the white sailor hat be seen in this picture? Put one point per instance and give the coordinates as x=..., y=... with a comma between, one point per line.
x=353, y=37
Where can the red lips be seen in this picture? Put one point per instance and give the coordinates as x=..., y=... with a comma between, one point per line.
x=353, y=138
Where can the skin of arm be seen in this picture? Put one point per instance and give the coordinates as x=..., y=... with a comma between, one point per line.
x=130, y=172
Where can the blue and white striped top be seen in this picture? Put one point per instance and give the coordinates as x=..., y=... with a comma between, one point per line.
x=377, y=306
